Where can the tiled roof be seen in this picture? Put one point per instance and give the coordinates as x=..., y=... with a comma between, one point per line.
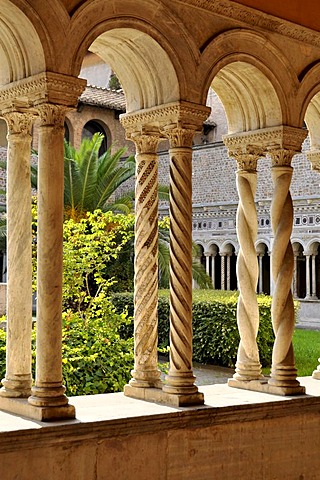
x=103, y=97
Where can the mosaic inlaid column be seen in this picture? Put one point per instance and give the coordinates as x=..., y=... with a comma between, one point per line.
x=17, y=382
x=180, y=379
x=48, y=390
x=223, y=270
x=146, y=372
x=248, y=366
x=283, y=372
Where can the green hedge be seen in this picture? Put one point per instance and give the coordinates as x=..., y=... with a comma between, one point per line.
x=215, y=332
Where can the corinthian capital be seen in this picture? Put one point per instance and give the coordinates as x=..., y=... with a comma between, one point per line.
x=19, y=123
x=179, y=136
x=145, y=141
x=281, y=157
x=51, y=115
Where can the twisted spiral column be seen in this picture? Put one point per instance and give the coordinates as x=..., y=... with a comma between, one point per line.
x=248, y=366
x=283, y=372
x=17, y=382
x=180, y=379
x=146, y=372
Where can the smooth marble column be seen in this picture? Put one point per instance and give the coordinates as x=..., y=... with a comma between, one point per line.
x=18, y=379
x=260, y=288
x=313, y=278
x=48, y=390
x=213, y=270
x=208, y=257
x=180, y=379
x=308, y=283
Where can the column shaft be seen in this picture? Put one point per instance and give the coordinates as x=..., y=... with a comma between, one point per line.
x=17, y=382
x=228, y=272
x=213, y=271
x=313, y=277
x=283, y=373
x=260, y=289
x=308, y=283
x=248, y=365
x=146, y=372
x=48, y=389
x=180, y=379
x=223, y=271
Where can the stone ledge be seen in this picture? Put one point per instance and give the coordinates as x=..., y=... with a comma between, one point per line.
x=263, y=386
x=115, y=415
x=157, y=395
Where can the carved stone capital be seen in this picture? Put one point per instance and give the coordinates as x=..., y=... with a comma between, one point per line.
x=146, y=142
x=281, y=157
x=314, y=159
x=52, y=115
x=179, y=136
x=245, y=154
x=19, y=123
x=47, y=87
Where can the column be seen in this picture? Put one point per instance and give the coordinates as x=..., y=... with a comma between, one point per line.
x=146, y=372
x=248, y=365
x=223, y=271
x=213, y=270
x=260, y=286
x=308, y=283
x=180, y=379
x=208, y=257
x=48, y=390
x=295, y=275
x=228, y=271
x=283, y=372
x=17, y=382
x=313, y=277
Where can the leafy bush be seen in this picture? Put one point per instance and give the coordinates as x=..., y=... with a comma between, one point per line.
x=95, y=357
x=215, y=332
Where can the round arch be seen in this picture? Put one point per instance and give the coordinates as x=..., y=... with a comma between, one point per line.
x=155, y=59
x=253, y=80
x=21, y=51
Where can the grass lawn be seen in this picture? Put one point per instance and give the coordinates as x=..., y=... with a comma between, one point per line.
x=306, y=344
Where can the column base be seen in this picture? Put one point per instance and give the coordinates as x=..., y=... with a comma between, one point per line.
x=316, y=374
x=263, y=386
x=157, y=395
x=18, y=387
x=21, y=406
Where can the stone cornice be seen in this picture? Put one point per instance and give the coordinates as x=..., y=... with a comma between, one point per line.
x=181, y=114
x=254, y=18
x=314, y=159
x=272, y=138
x=47, y=87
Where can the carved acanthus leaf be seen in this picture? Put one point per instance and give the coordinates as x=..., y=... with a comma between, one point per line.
x=281, y=157
x=178, y=136
x=145, y=142
x=19, y=123
x=53, y=115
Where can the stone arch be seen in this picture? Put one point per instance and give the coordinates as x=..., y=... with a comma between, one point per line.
x=21, y=50
x=253, y=81
x=228, y=266
x=152, y=69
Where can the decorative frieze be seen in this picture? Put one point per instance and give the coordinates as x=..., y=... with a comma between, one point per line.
x=44, y=87
x=182, y=114
x=254, y=18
